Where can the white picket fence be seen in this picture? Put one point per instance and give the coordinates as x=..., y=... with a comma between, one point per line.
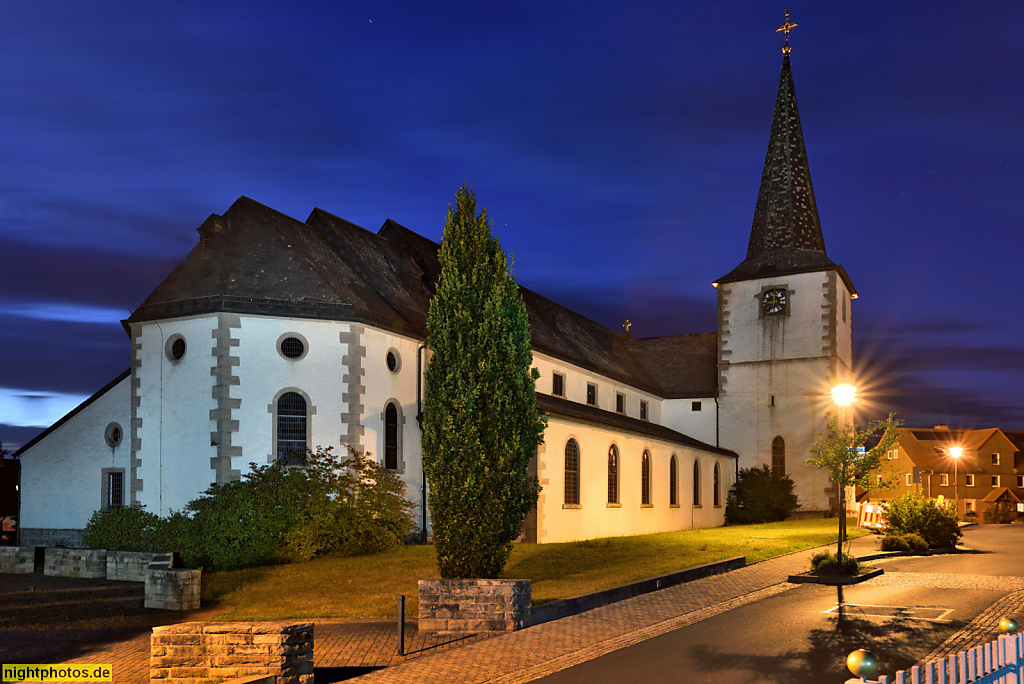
x=997, y=662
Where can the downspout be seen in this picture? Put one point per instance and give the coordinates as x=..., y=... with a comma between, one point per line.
x=419, y=421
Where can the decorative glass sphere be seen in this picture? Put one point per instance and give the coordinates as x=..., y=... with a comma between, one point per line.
x=862, y=663
x=1007, y=625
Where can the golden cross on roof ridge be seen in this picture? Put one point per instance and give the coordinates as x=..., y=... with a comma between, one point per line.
x=786, y=27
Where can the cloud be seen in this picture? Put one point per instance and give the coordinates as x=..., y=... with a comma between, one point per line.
x=22, y=408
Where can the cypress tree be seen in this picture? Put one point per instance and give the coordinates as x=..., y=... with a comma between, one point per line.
x=480, y=420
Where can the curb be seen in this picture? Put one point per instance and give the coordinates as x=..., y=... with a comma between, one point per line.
x=575, y=605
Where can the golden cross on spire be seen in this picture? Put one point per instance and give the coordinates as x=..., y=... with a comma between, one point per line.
x=786, y=27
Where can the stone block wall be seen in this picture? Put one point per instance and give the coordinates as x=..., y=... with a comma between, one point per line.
x=468, y=605
x=80, y=563
x=192, y=652
x=173, y=589
x=44, y=536
x=17, y=560
x=128, y=566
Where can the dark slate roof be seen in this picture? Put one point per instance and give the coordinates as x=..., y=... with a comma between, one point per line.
x=785, y=236
x=257, y=260
x=73, y=412
x=685, y=366
x=556, y=406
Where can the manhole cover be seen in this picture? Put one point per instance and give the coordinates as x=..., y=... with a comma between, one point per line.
x=906, y=612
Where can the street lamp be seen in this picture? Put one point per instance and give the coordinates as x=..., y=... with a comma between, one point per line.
x=956, y=452
x=843, y=395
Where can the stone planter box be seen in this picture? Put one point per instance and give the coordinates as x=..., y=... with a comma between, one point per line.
x=470, y=605
x=835, y=580
x=17, y=560
x=78, y=563
x=173, y=589
x=191, y=652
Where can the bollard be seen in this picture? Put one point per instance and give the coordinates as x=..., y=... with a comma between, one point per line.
x=401, y=624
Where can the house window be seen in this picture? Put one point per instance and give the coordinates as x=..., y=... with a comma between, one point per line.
x=695, y=406
x=291, y=428
x=391, y=436
x=645, y=479
x=620, y=403
x=995, y=480
x=878, y=479
x=969, y=505
x=717, y=494
x=673, y=481
x=696, y=483
x=613, y=474
x=969, y=480
x=779, y=457
x=643, y=410
x=572, y=473
x=844, y=309
x=592, y=394
x=909, y=479
x=944, y=480
x=1020, y=481
x=115, y=489
x=558, y=384
x=995, y=459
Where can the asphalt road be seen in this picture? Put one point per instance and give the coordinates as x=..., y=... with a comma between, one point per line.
x=798, y=636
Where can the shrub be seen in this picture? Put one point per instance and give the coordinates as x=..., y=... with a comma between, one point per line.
x=125, y=528
x=904, y=542
x=760, y=496
x=825, y=563
x=274, y=513
x=1000, y=513
x=912, y=513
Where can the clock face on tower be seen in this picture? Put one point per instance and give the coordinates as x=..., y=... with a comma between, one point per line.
x=773, y=302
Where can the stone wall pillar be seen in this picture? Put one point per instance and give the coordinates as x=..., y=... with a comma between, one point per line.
x=17, y=560
x=212, y=651
x=173, y=589
x=78, y=563
x=472, y=605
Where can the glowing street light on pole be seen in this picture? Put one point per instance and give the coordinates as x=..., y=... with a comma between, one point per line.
x=956, y=452
x=844, y=395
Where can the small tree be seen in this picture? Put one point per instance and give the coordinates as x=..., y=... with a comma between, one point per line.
x=840, y=451
x=480, y=423
x=760, y=495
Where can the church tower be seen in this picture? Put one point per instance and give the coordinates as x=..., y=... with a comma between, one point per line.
x=784, y=318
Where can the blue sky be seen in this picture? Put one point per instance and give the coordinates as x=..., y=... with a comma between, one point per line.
x=617, y=146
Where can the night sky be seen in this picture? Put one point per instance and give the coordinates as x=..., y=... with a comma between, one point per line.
x=617, y=146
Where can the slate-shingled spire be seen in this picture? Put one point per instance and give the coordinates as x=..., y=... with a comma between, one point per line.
x=786, y=233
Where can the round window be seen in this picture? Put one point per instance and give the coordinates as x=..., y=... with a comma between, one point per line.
x=175, y=348
x=113, y=435
x=292, y=347
x=394, y=361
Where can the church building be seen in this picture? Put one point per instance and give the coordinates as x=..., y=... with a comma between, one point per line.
x=275, y=335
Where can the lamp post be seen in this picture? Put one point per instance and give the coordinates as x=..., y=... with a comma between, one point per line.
x=956, y=452
x=843, y=395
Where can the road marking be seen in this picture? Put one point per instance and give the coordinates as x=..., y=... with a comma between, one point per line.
x=929, y=614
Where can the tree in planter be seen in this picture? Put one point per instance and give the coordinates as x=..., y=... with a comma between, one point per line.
x=480, y=420
x=840, y=451
x=760, y=495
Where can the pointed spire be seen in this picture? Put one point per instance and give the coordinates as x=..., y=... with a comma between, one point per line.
x=786, y=233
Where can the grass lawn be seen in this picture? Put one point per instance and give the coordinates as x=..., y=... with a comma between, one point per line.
x=367, y=586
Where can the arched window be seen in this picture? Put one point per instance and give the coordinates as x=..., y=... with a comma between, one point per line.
x=718, y=486
x=673, y=481
x=696, y=483
x=291, y=429
x=613, y=474
x=645, y=479
x=572, y=473
x=779, y=457
x=391, y=436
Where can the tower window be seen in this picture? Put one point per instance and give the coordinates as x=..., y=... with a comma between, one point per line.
x=695, y=406
x=620, y=403
x=291, y=428
x=779, y=457
x=592, y=394
x=643, y=410
x=558, y=384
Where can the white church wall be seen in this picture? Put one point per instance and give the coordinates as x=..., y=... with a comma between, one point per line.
x=699, y=423
x=174, y=398
x=577, y=379
x=595, y=516
x=63, y=475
